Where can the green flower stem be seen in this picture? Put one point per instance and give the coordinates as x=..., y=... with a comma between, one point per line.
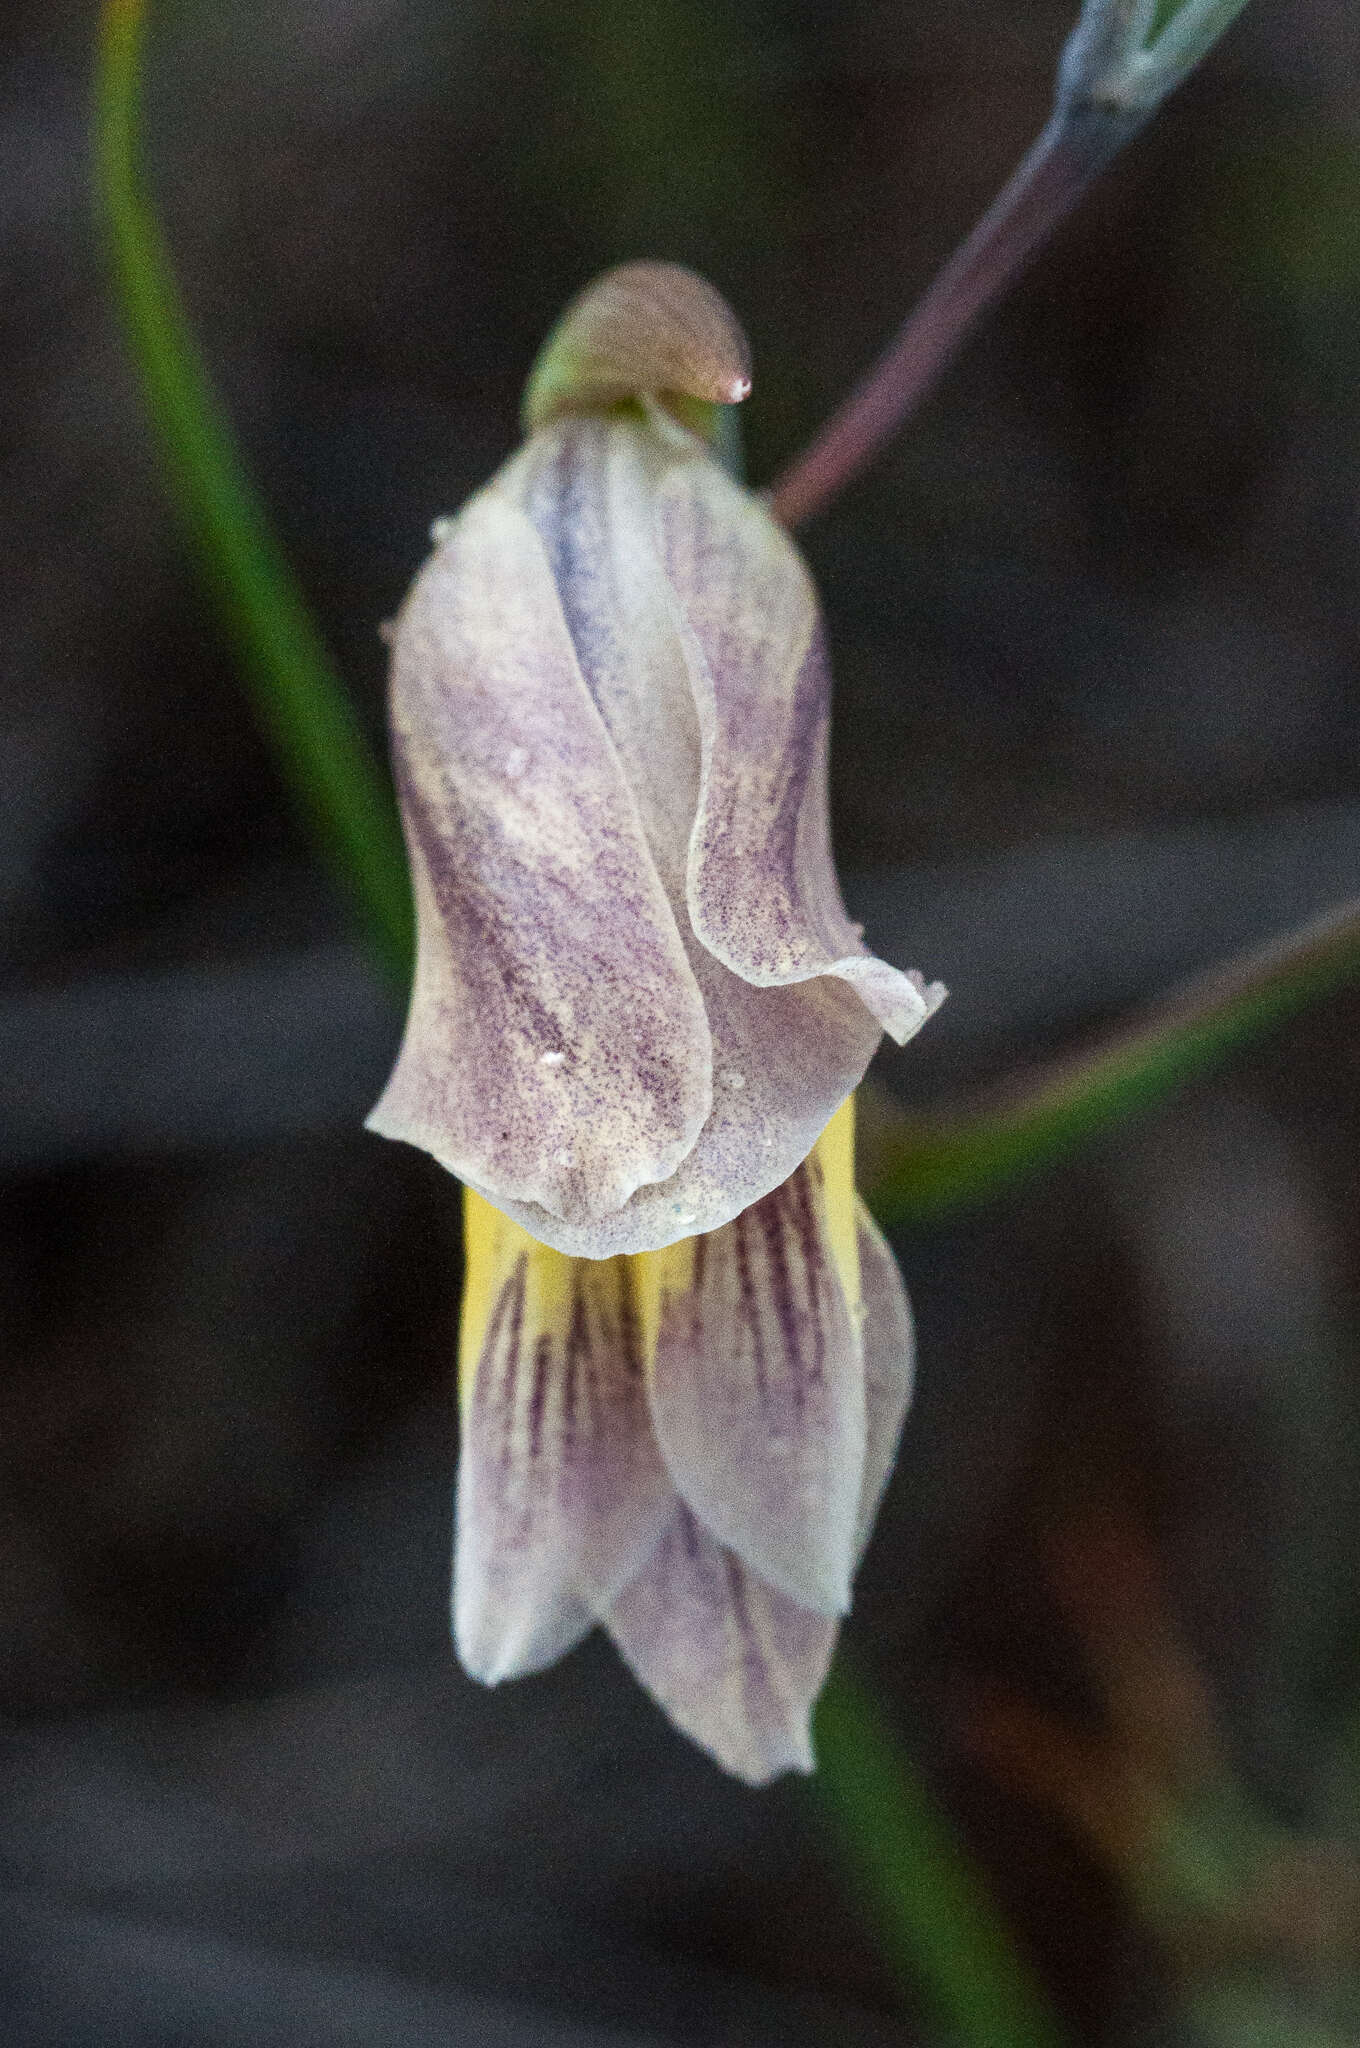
x=935, y=1924
x=323, y=755
x=942, y=1160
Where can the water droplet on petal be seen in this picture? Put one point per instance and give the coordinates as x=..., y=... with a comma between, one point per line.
x=564, y=1156
x=730, y=1078
x=516, y=761
x=440, y=529
x=551, y=1059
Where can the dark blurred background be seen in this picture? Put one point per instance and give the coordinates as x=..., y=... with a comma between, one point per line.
x=1095, y=630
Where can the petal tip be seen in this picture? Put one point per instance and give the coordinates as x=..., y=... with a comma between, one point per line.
x=759, y=1768
x=901, y=1001
x=492, y=1652
x=378, y=1123
x=502, y=1630
x=815, y=1581
x=733, y=1662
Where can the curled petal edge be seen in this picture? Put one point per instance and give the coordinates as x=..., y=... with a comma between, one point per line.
x=761, y=884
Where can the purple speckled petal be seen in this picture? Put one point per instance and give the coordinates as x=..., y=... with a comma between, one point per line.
x=757, y=1391
x=736, y=1664
x=889, y=1363
x=784, y=1057
x=763, y=895
x=589, y=486
x=784, y=1061
x=511, y=910
x=557, y=1051
x=562, y=1495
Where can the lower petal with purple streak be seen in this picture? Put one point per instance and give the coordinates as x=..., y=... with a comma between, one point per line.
x=757, y=1391
x=736, y=1664
x=561, y=1491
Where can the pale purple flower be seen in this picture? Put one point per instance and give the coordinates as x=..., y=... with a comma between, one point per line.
x=638, y=1006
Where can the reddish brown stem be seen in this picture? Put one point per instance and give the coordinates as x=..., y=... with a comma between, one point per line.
x=1042, y=191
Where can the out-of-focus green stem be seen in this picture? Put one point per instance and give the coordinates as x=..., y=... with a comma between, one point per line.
x=939, y=1161
x=328, y=765
x=935, y=1923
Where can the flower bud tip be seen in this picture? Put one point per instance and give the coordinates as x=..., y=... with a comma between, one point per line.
x=643, y=329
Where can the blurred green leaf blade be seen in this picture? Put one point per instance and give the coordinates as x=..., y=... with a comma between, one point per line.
x=932, y=1163
x=331, y=770
x=935, y=1923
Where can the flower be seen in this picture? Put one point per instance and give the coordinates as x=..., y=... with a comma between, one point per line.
x=639, y=1012
x=687, y=1445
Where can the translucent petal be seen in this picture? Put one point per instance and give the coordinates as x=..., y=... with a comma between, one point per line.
x=557, y=1051
x=562, y=1494
x=757, y=1378
x=736, y=1664
x=889, y=1362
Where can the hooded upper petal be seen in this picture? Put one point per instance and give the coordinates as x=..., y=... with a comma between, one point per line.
x=557, y=1050
x=562, y=1494
x=637, y=998
x=762, y=887
x=784, y=1055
